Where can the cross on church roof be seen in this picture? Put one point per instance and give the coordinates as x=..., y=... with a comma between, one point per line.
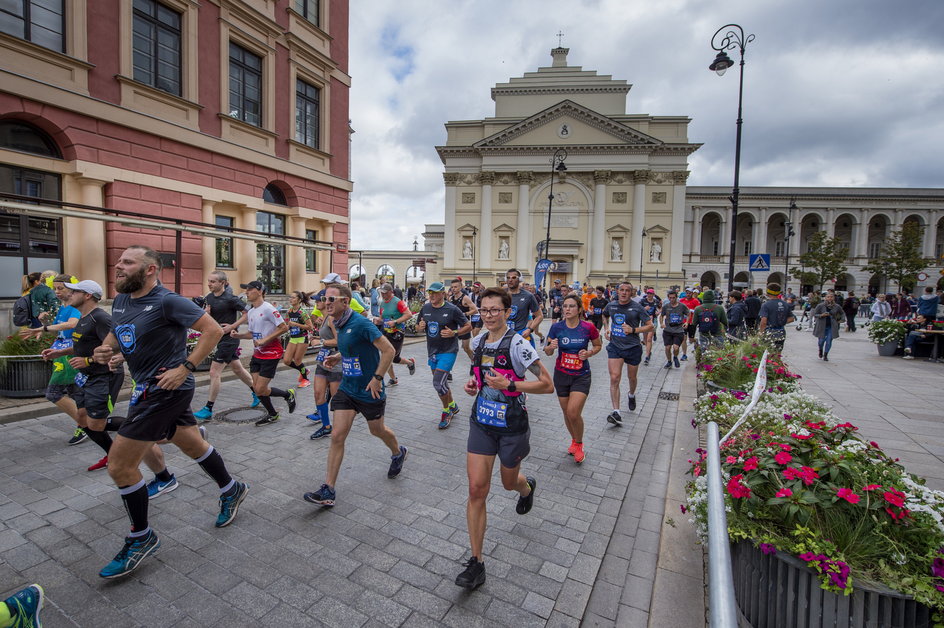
x=559, y=36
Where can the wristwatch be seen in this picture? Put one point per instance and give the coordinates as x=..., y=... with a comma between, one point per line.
x=189, y=366
x=511, y=386
x=379, y=378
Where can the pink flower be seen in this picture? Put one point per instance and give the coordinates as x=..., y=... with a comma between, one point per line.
x=871, y=487
x=736, y=489
x=730, y=460
x=683, y=508
x=783, y=458
x=800, y=436
x=895, y=498
x=784, y=492
x=750, y=464
x=848, y=495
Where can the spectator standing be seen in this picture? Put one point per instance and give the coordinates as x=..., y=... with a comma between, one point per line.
x=927, y=304
x=774, y=316
x=752, y=305
x=850, y=307
x=737, y=315
x=881, y=309
x=827, y=317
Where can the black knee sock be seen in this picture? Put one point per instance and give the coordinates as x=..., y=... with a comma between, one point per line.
x=135, y=499
x=101, y=439
x=278, y=392
x=212, y=463
x=163, y=476
x=267, y=404
x=209, y=405
x=299, y=367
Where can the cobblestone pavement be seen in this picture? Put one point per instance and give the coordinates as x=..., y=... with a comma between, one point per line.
x=388, y=552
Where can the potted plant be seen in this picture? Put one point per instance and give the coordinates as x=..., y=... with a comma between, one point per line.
x=734, y=366
x=888, y=335
x=24, y=374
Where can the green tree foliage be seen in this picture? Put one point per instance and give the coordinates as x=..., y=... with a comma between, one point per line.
x=823, y=260
x=900, y=259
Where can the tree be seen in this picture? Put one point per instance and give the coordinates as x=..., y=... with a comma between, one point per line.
x=900, y=258
x=823, y=260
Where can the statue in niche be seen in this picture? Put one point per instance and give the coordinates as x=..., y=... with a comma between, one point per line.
x=503, y=248
x=616, y=251
x=467, y=249
x=655, y=252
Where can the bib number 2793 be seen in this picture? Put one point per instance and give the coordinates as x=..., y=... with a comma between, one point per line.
x=492, y=413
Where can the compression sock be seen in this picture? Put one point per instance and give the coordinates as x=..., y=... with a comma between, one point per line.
x=6, y=615
x=163, y=476
x=212, y=463
x=278, y=392
x=267, y=404
x=209, y=405
x=114, y=423
x=453, y=406
x=324, y=414
x=135, y=499
x=101, y=439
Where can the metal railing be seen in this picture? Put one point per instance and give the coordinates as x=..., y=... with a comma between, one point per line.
x=722, y=606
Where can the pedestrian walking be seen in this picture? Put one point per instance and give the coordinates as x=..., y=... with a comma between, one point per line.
x=828, y=316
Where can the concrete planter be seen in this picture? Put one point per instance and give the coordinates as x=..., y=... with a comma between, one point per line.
x=25, y=377
x=888, y=349
x=780, y=591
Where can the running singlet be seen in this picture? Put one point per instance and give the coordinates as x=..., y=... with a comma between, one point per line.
x=297, y=316
x=570, y=342
x=263, y=320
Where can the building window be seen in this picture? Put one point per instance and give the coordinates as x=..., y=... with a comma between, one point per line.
x=747, y=247
x=875, y=250
x=778, y=248
x=28, y=243
x=26, y=138
x=311, y=255
x=39, y=21
x=714, y=247
x=156, y=46
x=274, y=194
x=224, y=246
x=307, y=114
x=270, y=258
x=245, y=85
x=309, y=10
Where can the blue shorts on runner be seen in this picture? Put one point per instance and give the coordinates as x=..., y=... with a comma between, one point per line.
x=442, y=361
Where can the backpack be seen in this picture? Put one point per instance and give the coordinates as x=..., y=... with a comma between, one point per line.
x=23, y=311
x=708, y=322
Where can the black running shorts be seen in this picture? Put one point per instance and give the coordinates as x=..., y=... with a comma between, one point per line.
x=157, y=414
x=227, y=350
x=565, y=383
x=265, y=368
x=372, y=410
x=511, y=449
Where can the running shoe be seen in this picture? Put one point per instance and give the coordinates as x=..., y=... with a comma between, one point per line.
x=314, y=417
x=203, y=414
x=572, y=448
x=454, y=408
x=676, y=360
x=25, y=606
x=615, y=418
x=134, y=551
x=291, y=400
x=267, y=419
x=101, y=464
x=156, y=488
x=392, y=381
x=396, y=463
x=668, y=364
x=579, y=455
x=412, y=366
x=684, y=357
x=324, y=496
x=473, y=576
x=631, y=401
x=525, y=503
x=78, y=436
x=646, y=361
x=445, y=420
x=230, y=504
x=255, y=401
x=303, y=383
x=321, y=432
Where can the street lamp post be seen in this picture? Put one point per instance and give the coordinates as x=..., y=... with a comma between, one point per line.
x=642, y=247
x=732, y=39
x=557, y=163
x=788, y=232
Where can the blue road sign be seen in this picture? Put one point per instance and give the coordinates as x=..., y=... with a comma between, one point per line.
x=760, y=262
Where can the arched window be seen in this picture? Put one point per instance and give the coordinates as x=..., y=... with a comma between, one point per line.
x=274, y=194
x=25, y=138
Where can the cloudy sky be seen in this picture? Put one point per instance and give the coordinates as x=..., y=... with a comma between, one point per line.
x=837, y=92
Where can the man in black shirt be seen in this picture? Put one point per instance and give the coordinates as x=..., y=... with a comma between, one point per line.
x=524, y=306
x=463, y=301
x=229, y=311
x=597, y=304
x=555, y=297
x=149, y=328
x=443, y=322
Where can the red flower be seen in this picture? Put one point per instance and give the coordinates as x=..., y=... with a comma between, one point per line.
x=848, y=495
x=871, y=487
x=784, y=492
x=731, y=460
x=736, y=489
x=895, y=498
x=808, y=474
x=783, y=458
x=750, y=464
x=800, y=436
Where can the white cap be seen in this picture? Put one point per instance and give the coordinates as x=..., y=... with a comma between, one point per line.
x=87, y=285
x=333, y=278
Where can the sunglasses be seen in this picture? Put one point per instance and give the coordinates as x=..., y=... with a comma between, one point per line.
x=333, y=299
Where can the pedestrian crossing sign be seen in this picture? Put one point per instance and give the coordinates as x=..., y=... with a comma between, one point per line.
x=760, y=262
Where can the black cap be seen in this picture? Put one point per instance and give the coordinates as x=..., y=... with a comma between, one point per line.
x=253, y=284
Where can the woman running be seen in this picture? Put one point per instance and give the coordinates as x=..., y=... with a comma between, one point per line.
x=299, y=324
x=326, y=378
x=577, y=340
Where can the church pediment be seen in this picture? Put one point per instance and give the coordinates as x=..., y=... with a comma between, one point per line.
x=568, y=123
x=657, y=230
x=617, y=230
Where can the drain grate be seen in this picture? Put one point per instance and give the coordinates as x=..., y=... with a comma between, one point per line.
x=240, y=415
x=668, y=396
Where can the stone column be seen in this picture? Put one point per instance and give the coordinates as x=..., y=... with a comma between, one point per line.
x=760, y=243
x=449, y=237
x=862, y=235
x=795, y=218
x=677, y=237
x=485, y=235
x=930, y=232
x=85, y=253
x=597, y=242
x=208, y=248
x=524, y=246
x=696, y=233
x=640, y=178
x=831, y=222
x=245, y=255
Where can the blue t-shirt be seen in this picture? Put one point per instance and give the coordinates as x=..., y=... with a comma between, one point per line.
x=65, y=313
x=359, y=356
x=570, y=342
x=152, y=331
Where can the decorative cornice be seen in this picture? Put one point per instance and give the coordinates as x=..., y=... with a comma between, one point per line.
x=528, y=91
x=575, y=149
x=486, y=177
x=525, y=177
x=451, y=178
x=680, y=177
x=640, y=177
x=601, y=176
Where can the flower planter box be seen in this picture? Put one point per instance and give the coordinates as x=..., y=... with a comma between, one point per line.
x=780, y=591
x=24, y=378
x=888, y=349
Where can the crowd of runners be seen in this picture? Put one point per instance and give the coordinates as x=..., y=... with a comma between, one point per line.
x=358, y=343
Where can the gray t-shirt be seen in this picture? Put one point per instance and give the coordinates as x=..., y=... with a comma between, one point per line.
x=776, y=311
x=674, y=318
x=438, y=318
x=327, y=333
x=633, y=315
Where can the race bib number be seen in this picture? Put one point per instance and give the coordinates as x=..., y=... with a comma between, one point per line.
x=351, y=367
x=80, y=379
x=476, y=318
x=597, y=311
x=61, y=343
x=322, y=355
x=618, y=320
x=571, y=361
x=514, y=311
x=675, y=318
x=256, y=335
x=491, y=412
x=137, y=393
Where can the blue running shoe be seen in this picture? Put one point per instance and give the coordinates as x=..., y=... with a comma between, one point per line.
x=314, y=417
x=25, y=606
x=321, y=432
x=324, y=496
x=203, y=414
x=229, y=505
x=396, y=463
x=445, y=420
x=134, y=551
x=156, y=488
x=255, y=401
